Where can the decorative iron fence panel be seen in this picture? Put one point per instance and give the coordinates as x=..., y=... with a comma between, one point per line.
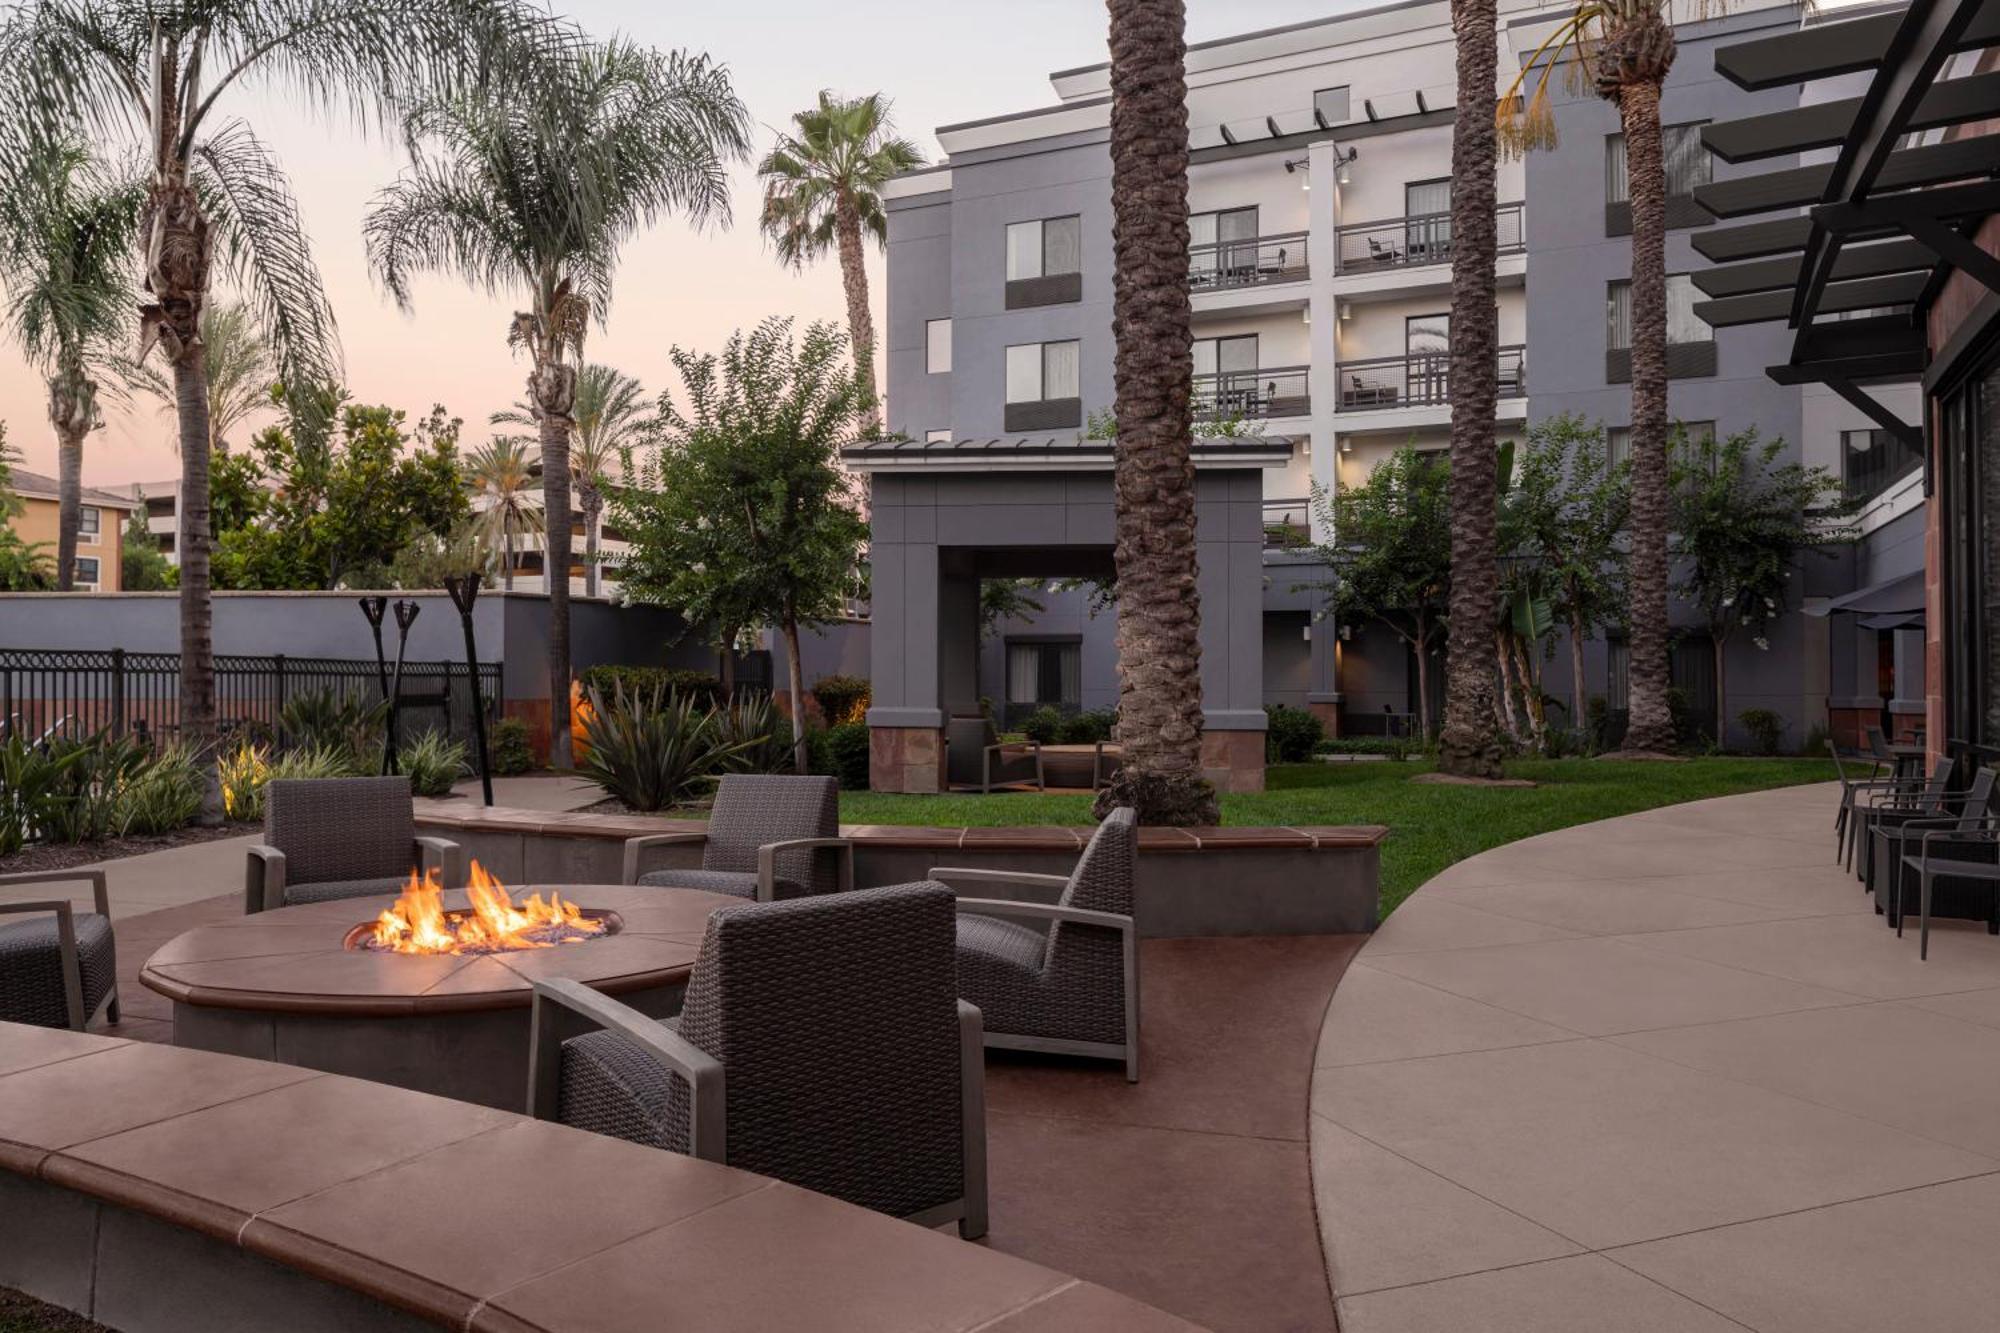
x=78, y=692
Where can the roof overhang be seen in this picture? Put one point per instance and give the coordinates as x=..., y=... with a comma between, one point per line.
x=1049, y=454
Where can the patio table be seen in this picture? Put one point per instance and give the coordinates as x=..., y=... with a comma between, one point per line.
x=1077, y=765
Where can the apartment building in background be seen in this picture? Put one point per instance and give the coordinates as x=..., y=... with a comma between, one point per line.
x=100, y=531
x=1320, y=281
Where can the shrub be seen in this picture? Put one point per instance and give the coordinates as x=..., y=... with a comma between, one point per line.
x=30, y=791
x=1597, y=721
x=507, y=748
x=1814, y=745
x=842, y=753
x=330, y=719
x=1088, y=728
x=85, y=806
x=762, y=734
x=1043, y=725
x=1685, y=733
x=653, y=750
x=245, y=771
x=841, y=699
x=432, y=763
x=1291, y=734
x=609, y=679
x=1766, y=729
x=1393, y=747
x=165, y=795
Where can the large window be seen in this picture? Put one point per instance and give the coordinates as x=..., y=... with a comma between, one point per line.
x=1044, y=249
x=89, y=523
x=1225, y=356
x=1044, y=673
x=1683, y=325
x=1044, y=386
x=1686, y=162
x=87, y=570
x=1332, y=105
x=1220, y=243
x=937, y=346
x=1871, y=461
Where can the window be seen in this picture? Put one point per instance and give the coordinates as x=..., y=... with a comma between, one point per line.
x=1044, y=673
x=1871, y=461
x=1045, y=249
x=87, y=569
x=1618, y=440
x=1617, y=665
x=1225, y=356
x=1686, y=162
x=1044, y=390
x=1221, y=242
x=1683, y=325
x=1330, y=105
x=1427, y=221
x=89, y=524
x=937, y=437
x=937, y=346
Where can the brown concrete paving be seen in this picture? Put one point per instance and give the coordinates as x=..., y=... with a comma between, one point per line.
x=1665, y=1072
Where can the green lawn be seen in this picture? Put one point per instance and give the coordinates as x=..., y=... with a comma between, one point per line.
x=1430, y=826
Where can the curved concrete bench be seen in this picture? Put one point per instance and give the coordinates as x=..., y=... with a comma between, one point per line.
x=161, y=1190
x=1308, y=880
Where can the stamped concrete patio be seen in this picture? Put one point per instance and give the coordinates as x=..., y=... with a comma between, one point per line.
x=1667, y=1073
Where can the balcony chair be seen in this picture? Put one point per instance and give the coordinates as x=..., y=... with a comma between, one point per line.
x=822, y=1042
x=1383, y=253
x=769, y=836
x=1365, y=393
x=58, y=971
x=1074, y=988
x=328, y=838
x=975, y=756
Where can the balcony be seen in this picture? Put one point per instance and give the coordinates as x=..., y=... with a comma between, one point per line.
x=1258, y=262
x=1287, y=524
x=1256, y=395
x=1423, y=380
x=1413, y=242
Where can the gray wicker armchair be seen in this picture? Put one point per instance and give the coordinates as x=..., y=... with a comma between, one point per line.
x=60, y=970
x=974, y=756
x=768, y=837
x=1073, y=990
x=822, y=1042
x=327, y=838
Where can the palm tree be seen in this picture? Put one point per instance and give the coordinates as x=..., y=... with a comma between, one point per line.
x=66, y=229
x=612, y=413
x=501, y=478
x=1626, y=48
x=237, y=363
x=1159, y=609
x=537, y=193
x=157, y=73
x=823, y=189
x=1469, y=745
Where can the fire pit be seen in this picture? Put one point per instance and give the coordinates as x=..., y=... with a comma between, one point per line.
x=428, y=989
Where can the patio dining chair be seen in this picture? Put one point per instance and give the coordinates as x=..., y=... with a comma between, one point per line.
x=1960, y=849
x=328, y=838
x=822, y=1042
x=1071, y=988
x=61, y=970
x=769, y=836
x=975, y=756
x=1882, y=809
x=1853, y=789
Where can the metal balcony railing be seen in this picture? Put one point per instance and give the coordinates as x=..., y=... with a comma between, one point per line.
x=1420, y=380
x=1287, y=524
x=1274, y=391
x=1366, y=247
x=1249, y=263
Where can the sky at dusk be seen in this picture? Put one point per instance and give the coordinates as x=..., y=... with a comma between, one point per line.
x=941, y=61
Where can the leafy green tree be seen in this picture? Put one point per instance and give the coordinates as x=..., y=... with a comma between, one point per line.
x=535, y=189
x=1743, y=521
x=23, y=567
x=142, y=567
x=1000, y=599
x=742, y=515
x=1390, y=553
x=823, y=191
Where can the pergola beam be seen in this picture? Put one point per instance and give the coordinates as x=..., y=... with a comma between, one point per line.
x=1751, y=240
x=1861, y=294
x=1857, y=261
x=1824, y=50
x=1800, y=187
x=1827, y=124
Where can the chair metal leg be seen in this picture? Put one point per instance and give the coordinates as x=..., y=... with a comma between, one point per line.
x=1924, y=921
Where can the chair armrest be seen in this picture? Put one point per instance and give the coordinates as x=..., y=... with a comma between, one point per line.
x=72, y=962
x=1025, y=878
x=972, y=1112
x=634, y=846
x=447, y=855
x=558, y=1006
x=96, y=878
x=263, y=879
x=1082, y=916
x=767, y=862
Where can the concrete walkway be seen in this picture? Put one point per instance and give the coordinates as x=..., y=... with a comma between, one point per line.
x=1665, y=1074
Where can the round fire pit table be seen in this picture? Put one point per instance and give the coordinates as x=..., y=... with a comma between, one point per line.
x=290, y=985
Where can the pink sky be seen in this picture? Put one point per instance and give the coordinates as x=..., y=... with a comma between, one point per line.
x=941, y=61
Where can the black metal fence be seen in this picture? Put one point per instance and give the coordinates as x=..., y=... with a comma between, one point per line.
x=73, y=692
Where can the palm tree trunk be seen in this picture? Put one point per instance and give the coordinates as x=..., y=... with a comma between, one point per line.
x=1159, y=608
x=860, y=324
x=555, y=430
x=196, y=537
x=69, y=490
x=795, y=680
x=593, y=511
x=1503, y=659
x=1721, y=690
x=1468, y=746
x=1652, y=725
x=506, y=552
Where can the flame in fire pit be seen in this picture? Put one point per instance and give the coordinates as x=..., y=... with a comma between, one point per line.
x=418, y=922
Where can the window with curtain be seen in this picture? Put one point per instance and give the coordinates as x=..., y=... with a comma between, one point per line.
x=1222, y=239
x=1618, y=439
x=1421, y=197
x=1040, y=372
x=1686, y=161
x=1617, y=663
x=937, y=346
x=1683, y=325
x=1044, y=248
x=1225, y=356
x=1044, y=673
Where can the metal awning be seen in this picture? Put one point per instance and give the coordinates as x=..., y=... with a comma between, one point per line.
x=1894, y=620
x=1900, y=596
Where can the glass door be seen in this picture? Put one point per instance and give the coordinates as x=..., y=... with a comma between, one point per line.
x=1427, y=357
x=1225, y=376
x=1427, y=221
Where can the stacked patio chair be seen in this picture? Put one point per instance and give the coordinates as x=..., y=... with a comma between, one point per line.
x=1073, y=988
x=769, y=836
x=1853, y=789
x=328, y=838
x=1892, y=806
x=1963, y=851
x=822, y=1042
x=975, y=756
x=61, y=969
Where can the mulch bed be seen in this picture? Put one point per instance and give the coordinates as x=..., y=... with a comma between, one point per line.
x=25, y=1314
x=62, y=856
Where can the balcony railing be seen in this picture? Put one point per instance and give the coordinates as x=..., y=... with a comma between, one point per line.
x=1367, y=247
x=1251, y=263
x=1420, y=380
x=1275, y=391
x=1287, y=524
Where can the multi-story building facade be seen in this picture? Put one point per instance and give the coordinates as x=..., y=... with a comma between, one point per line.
x=1320, y=278
x=100, y=533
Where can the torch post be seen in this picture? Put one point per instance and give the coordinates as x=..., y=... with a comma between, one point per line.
x=464, y=590
x=406, y=616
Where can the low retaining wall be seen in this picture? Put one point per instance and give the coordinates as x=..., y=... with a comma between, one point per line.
x=1191, y=882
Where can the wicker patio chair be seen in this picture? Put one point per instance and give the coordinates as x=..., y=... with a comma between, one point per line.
x=1960, y=850
x=58, y=971
x=1074, y=988
x=822, y=1042
x=975, y=756
x=769, y=837
x=328, y=838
